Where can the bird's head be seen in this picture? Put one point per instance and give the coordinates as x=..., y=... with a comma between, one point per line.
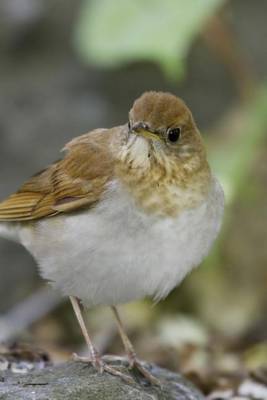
x=162, y=159
x=160, y=124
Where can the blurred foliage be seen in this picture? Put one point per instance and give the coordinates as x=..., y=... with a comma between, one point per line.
x=110, y=33
x=235, y=148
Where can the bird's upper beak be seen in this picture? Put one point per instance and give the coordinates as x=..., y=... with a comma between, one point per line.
x=143, y=129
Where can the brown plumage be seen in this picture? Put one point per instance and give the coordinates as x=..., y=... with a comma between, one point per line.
x=75, y=181
x=160, y=110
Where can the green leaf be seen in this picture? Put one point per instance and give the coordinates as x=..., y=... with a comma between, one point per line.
x=113, y=32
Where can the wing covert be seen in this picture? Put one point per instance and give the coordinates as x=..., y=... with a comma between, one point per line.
x=78, y=180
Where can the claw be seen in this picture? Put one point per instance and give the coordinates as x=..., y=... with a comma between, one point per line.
x=113, y=371
x=135, y=363
x=101, y=366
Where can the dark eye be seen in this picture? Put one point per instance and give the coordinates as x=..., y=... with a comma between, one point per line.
x=173, y=134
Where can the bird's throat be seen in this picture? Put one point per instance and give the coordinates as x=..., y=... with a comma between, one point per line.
x=161, y=185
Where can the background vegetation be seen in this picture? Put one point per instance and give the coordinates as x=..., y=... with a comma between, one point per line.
x=70, y=66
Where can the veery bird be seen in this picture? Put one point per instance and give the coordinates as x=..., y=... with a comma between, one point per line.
x=125, y=214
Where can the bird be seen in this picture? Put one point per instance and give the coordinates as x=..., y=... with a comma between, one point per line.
x=126, y=213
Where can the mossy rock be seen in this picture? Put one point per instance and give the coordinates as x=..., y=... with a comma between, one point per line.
x=77, y=381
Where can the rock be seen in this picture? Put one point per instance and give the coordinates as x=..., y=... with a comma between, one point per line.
x=77, y=381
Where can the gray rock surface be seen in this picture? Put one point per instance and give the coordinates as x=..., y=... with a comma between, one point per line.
x=77, y=381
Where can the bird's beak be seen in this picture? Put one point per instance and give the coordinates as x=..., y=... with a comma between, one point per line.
x=143, y=130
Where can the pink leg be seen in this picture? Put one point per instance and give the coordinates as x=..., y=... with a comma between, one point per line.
x=131, y=354
x=94, y=357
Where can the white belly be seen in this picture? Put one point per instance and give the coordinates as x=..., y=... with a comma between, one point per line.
x=115, y=253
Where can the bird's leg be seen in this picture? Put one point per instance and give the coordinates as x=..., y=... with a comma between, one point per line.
x=94, y=358
x=131, y=354
x=125, y=340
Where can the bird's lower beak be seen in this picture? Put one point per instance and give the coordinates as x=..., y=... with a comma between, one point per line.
x=147, y=134
x=143, y=130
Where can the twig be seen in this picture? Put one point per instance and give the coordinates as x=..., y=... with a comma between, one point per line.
x=28, y=311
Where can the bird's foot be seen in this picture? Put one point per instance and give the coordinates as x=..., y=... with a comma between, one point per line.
x=135, y=363
x=101, y=366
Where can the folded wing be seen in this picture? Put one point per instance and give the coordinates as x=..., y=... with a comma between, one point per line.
x=76, y=181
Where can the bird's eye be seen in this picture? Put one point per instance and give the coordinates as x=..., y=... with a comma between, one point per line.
x=173, y=134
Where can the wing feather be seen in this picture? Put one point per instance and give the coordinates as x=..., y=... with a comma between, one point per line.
x=78, y=180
